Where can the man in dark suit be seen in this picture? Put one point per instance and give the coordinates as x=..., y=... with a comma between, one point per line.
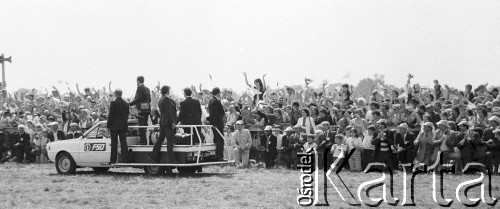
x=23, y=146
x=268, y=144
x=325, y=142
x=168, y=117
x=118, y=125
x=190, y=113
x=403, y=142
x=216, y=114
x=55, y=134
x=142, y=102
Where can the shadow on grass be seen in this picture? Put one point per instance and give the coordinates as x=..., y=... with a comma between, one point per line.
x=170, y=175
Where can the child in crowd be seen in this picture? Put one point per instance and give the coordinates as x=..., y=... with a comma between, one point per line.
x=228, y=148
x=354, y=142
x=368, y=147
x=310, y=142
x=338, y=152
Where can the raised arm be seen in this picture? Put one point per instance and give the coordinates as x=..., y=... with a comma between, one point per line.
x=78, y=90
x=264, y=82
x=246, y=80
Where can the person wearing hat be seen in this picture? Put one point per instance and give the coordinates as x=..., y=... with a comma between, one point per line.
x=54, y=134
x=22, y=145
x=493, y=143
x=281, y=144
x=242, y=142
x=287, y=152
x=216, y=119
x=297, y=139
x=383, y=143
x=73, y=132
x=268, y=144
x=403, y=143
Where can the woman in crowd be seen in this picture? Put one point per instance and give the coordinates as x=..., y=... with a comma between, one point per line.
x=259, y=88
x=85, y=120
x=307, y=121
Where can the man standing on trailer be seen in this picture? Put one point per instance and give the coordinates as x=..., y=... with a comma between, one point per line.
x=118, y=125
x=168, y=117
x=216, y=114
x=142, y=102
x=190, y=114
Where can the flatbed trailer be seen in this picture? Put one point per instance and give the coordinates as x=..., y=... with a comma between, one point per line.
x=92, y=149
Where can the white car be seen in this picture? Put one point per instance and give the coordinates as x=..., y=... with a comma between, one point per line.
x=93, y=149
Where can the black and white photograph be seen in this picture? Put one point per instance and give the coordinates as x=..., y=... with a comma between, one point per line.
x=249, y=104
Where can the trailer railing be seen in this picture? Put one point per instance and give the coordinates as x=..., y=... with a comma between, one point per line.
x=196, y=128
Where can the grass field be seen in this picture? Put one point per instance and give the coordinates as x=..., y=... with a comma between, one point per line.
x=39, y=186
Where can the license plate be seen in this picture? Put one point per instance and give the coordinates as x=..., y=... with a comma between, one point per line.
x=205, y=154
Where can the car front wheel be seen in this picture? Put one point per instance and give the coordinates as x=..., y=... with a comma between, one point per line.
x=65, y=164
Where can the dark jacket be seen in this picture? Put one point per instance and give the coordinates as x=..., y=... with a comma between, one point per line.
x=168, y=113
x=389, y=140
x=410, y=138
x=326, y=140
x=466, y=149
x=118, y=115
x=142, y=94
x=216, y=113
x=60, y=135
x=25, y=139
x=189, y=112
x=271, y=146
x=487, y=135
x=285, y=140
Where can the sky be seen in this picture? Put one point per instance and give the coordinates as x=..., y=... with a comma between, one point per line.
x=181, y=42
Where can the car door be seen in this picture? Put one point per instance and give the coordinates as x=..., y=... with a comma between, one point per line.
x=95, y=146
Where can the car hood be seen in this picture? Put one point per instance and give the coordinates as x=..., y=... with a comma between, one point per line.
x=67, y=141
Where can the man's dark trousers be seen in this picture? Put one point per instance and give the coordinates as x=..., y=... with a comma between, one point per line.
x=169, y=133
x=123, y=145
x=143, y=121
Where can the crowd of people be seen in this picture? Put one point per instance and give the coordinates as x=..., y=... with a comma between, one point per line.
x=398, y=126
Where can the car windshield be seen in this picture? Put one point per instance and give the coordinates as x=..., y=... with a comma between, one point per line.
x=98, y=132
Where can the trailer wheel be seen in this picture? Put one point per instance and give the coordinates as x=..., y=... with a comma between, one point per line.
x=65, y=164
x=154, y=170
x=100, y=169
x=187, y=169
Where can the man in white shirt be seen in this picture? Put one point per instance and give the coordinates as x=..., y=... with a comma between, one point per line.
x=242, y=143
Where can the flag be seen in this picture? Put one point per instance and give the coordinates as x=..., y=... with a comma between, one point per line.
x=347, y=75
x=308, y=81
x=471, y=106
